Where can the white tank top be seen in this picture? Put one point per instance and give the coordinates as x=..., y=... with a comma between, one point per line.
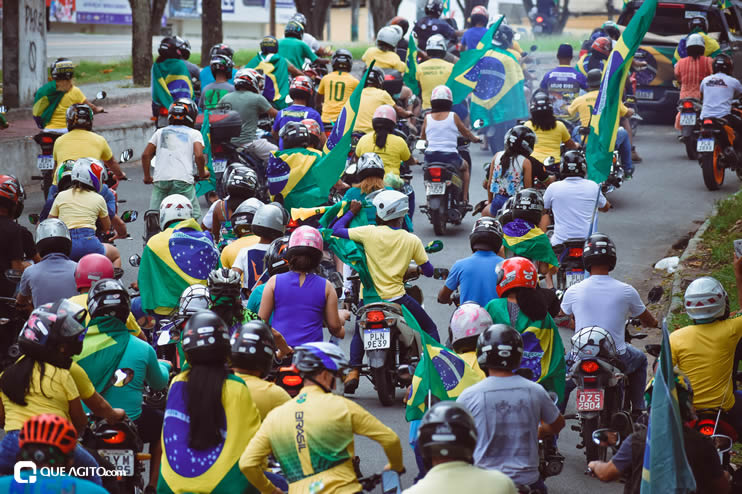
x=441, y=134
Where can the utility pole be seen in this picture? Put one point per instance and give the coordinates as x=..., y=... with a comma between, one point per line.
x=354, y=5
x=273, y=18
x=24, y=51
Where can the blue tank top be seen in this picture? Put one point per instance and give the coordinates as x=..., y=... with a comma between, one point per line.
x=299, y=312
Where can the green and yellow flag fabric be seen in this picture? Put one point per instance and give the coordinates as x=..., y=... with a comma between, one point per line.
x=170, y=81
x=466, y=72
x=604, y=123
x=410, y=77
x=275, y=68
x=45, y=101
x=102, y=350
x=499, y=94
x=206, y=186
x=528, y=241
x=172, y=260
x=543, y=350
x=286, y=169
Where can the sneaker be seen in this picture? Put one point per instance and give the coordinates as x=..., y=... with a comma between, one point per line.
x=635, y=156
x=350, y=384
x=628, y=174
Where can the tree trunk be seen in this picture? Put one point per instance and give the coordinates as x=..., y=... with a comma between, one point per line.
x=382, y=11
x=211, y=28
x=158, y=8
x=316, y=13
x=141, y=42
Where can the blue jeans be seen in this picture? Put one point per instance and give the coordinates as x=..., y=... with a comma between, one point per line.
x=623, y=145
x=9, y=451
x=498, y=200
x=85, y=242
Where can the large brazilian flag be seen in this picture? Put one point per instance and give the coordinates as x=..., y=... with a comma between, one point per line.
x=170, y=81
x=499, y=94
x=275, y=68
x=464, y=75
x=528, y=241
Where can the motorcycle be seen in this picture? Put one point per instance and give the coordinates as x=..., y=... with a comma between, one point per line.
x=615, y=177
x=690, y=111
x=710, y=149
x=389, y=479
x=11, y=323
x=571, y=269
x=443, y=192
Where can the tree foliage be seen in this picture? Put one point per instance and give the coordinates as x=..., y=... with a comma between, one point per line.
x=316, y=13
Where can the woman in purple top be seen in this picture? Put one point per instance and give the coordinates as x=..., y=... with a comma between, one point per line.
x=302, y=302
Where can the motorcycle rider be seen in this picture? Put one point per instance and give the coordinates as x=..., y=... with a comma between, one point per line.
x=383, y=53
x=276, y=261
x=603, y=301
x=473, y=275
x=435, y=70
x=242, y=184
x=391, y=148
x=180, y=150
x=108, y=307
x=691, y=70
x=184, y=47
x=447, y=438
x=171, y=79
x=267, y=225
x=11, y=233
x=292, y=48
x=510, y=412
x=207, y=76
x=317, y=137
x=441, y=129
x=432, y=24
x=52, y=100
x=372, y=97
x=468, y=321
x=276, y=70
x=301, y=91
x=697, y=25
x=718, y=91
x=712, y=338
x=596, y=57
x=221, y=67
x=310, y=40
x=241, y=222
x=323, y=423
x=478, y=19
x=336, y=87
x=563, y=83
x=224, y=292
x=550, y=132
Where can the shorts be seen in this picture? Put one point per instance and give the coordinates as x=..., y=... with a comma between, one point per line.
x=149, y=424
x=444, y=157
x=85, y=242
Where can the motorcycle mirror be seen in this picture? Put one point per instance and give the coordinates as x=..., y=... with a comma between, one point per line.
x=655, y=294
x=164, y=338
x=126, y=155
x=129, y=216
x=607, y=437
x=13, y=275
x=434, y=246
x=352, y=169
x=100, y=95
x=534, y=48
x=289, y=99
x=478, y=124
x=420, y=145
x=34, y=219
x=135, y=260
x=118, y=273
x=121, y=377
x=723, y=443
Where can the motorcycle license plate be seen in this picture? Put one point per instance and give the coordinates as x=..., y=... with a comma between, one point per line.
x=705, y=146
x=435, y=189
x=644, y=94
x=219, y=166
x=687, y=119
x=538, y=29
x=589, y=400
x=575, y=277
x=121, y=459
x=377, y=339
x=45, y=162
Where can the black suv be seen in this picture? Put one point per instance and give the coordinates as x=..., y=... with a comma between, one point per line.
x=655, y=91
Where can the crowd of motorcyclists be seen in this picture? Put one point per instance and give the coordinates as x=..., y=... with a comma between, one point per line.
x=227, y=296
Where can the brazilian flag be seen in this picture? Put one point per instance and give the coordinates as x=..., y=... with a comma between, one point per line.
x=45, y=101
x=499, y=93
x=529, y=241
x=102, y=349
x=410, y=77
x=275, y=68
x=170, y=81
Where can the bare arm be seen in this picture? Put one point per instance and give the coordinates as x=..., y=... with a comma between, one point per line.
x=422, y=131
x=118, y=226
x=101, y=408
x=266, y=302
x=402, y=112
x=272, y=113
x=464, y=131
x=200, y=158
x=553, y=428
x=147, y=155
x=570, y=144
x=444, y=296
x=605, y=471
x=113, y=165
x=294, y=71
x=332, y=318
x=527, y=174
x=105, y=223
x=648, y=319
x=79, y=419
x=604, y=208
x=24, y=303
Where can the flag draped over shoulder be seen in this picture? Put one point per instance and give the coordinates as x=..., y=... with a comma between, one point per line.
x=206, y=186
x=666, y=467
x=410, y=77
x=286, y=168
x=440, y=373
x=314, y=187
x=275, y=68
x=102, y=350
x=604, y=122
x=170, y=81
x=499, y=94
x=45, y=101
x=464, y=75
x=172, y=260
x=528, y=241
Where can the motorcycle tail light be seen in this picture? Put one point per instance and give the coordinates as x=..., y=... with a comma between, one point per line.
x=688, y=104
x=706, y=427
x=575, y=252
x=375, y=319
x=163, y=111
x=117, y=438
x=292, y=380
x=46, y=140
x=435, y=174
x=707, y=122
x=217, y=148
x=589, y=366
x=590, y=380
x=539, y=19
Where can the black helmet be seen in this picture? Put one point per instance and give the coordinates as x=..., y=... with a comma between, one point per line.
x=242, y=183
x=505, y=215
x=447, y=430
x=294, y=135
x=541, y=102
x=79, y=116
x=223, y=282
x=504, y=36
x=253, y=347
x=528, y=205
x=108, y=298
x=499, y=347
x=221, y=49
x=594, y=76
x=573, y=164
x=486, y=235
x=168, y=48
x=182, y=111
x=269, y=44
x=698, y=23
x=599, y=249
x=293, y=30
x=434, y=8
x=723, y=63
x=62, y=69
x=206, y=339
x=184, y=46
x=50, y=325
x=221, y=63
x=520, y=140
x=375, y=78
x=342, y=60
x=276, y=260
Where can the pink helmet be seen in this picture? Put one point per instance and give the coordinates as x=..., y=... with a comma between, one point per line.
x=91, y=268
x=441, y=93
x=387, y=112
x=306, y=240
x=467, y=323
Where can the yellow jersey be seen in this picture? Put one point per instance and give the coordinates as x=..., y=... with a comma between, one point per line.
x=79, y=208
x=548, y=142
x=229, y=253
x=583, y=106
x=384, y=59
x=371, y=99
x=79, y=143
x=59, y=117
x=432, y=73
x=336, y=87
x=393, y=154
x=265, y=394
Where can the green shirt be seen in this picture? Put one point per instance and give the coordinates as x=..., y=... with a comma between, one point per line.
x=250, y=106
x=213, y=93
x=295, y=51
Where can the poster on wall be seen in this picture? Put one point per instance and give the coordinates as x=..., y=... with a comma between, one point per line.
x=62, y=10
x=253, y=11
x=103, y=11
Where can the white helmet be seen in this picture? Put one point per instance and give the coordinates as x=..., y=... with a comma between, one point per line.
x=389, y=35
x=441, y=93
x=467, y=323
x=193, y=299
x=52, y=228
x=391, y=205
x=89, y=171
x=436, y=42
x=175, y=207
x=593, y=342
x=706, y=300
x=695, y=39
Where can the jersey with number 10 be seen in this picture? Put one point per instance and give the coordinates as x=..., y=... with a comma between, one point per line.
x=336, y=88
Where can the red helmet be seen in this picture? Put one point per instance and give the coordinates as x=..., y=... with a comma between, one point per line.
x=602, y=45
x=515, y=272
x=9, y=189
x=51, y=430
x=91, y=268
x=302, y=83
x=315, y=132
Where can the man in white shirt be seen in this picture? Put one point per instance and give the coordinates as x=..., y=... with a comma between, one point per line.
x=718, y=91
x=603, y=301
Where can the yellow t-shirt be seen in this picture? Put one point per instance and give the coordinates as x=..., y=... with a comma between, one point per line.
x=384, y=59
x=705, y=353
x=548, y=142
x=336, y=88
x=80, y=143
x=58, y=390
x=82, y=381
x=131, y=321
x=432, y=73
x=59, y=117
x=79, y=208
x=393, y=154
x=265, y=394
x=371, y=99
x=583, y=106
x=388, y=254
x=229, y=253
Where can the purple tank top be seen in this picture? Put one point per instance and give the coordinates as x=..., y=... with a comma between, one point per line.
x=299, y=312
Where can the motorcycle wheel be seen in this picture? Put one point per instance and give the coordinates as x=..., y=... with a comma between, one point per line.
x=690, y=148
x=385, y=378
x=438, y=217
x=592, y=450
x=713, y=173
